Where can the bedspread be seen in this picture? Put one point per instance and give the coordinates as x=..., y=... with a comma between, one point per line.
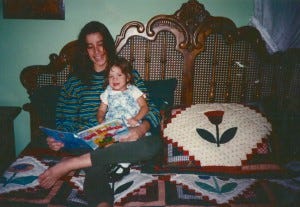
x=19, y=187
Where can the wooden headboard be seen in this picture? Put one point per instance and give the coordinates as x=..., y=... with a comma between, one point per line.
x=212, y=59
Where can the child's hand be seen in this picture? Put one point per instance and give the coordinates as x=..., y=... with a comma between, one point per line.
x=132, y=122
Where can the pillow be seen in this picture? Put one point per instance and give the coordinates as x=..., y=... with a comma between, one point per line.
x=161, y=92
x=188, y=151
x=44, y=100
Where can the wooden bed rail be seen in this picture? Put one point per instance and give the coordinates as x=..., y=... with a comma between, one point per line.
x=190, y=33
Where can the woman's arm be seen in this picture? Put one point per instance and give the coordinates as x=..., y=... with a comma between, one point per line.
x=67, y=107
x=66, y=114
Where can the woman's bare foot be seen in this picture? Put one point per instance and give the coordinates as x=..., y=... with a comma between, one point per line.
x=48, y=178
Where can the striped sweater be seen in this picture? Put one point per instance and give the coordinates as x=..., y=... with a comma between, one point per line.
x=78, y=104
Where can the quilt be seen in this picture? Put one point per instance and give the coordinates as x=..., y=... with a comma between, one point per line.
x=19, y=187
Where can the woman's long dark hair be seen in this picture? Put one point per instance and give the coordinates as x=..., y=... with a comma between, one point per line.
x=83, y=66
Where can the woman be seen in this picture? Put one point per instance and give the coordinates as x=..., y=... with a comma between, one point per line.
x=77, y=109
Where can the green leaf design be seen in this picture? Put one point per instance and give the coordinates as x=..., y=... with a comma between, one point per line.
x=123, y=187
x=24, y=180
x=207, y=187
x=206, y=135
x=228, y=187
x=2, y=179
x=228, y=135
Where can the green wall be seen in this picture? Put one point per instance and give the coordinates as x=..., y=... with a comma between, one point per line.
x=29, y=42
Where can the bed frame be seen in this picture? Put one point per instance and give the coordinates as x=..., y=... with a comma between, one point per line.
x=213, y=61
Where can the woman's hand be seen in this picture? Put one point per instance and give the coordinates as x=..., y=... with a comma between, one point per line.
x=53, y=144
x=136, y=132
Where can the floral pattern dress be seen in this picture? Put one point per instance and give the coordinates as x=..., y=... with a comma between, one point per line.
x=121, y=104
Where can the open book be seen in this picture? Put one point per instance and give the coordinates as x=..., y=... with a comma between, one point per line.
x=92, y=138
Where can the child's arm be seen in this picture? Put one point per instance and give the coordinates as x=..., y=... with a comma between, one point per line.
x=101, y=112
x=142, y=112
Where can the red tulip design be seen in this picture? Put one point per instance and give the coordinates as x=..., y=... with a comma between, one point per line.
x=216, y=117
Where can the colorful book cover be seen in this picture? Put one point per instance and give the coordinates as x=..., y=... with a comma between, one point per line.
x=92, y=138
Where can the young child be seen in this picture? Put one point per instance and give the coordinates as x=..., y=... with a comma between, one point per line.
x=121, y=99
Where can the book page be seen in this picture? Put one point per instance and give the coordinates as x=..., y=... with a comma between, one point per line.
x=104, y=134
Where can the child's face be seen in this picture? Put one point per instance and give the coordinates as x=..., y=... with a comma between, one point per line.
x=117, y=80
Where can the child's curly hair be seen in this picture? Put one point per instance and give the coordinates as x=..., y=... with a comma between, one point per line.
x=124, y=66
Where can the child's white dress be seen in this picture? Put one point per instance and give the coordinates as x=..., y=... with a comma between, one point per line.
x=121, y=104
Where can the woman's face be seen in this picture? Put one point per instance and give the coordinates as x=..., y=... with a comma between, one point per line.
x=117, y=79
x=96, y=51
